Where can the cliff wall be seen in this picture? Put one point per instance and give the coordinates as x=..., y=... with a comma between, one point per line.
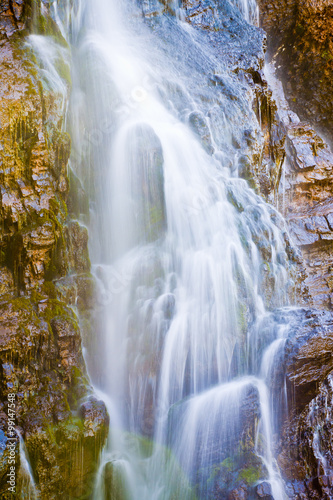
x=44, y=272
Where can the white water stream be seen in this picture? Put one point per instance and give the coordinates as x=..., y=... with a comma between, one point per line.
x=28, y=490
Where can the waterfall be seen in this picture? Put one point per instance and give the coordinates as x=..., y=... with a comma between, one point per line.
x=27, y=486
x=186, y=256
x=249, y=10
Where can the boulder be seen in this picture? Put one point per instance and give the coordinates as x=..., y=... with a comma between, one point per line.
x=95, y=418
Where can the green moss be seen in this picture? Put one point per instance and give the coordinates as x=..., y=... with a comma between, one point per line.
x=250, y=475
x=243, y=467
x=68, y=431
x=3, y=256
x=36, y=296
x=21, y=303
x=61, y=144
x=58, y=212
x=64, y=71
x=156, y=216
x=234, y=201
x=265, y=267
x=56, y=308
x=80, y=387
x=45, y=25
x=228, y=464
x=78, y=201
x=49, y=289
x=63, y=459
x=327, y=55
x=115, y=482
x=300, y=29
x=242, y=317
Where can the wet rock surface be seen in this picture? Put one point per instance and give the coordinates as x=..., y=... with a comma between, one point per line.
x=299, y=38
x=302, y=385
x=302, y=190
x=41, y=358
x=306, y=451
x=13, y=14
x=33, y=207
x=308, y=353
x=304, y=197
x=42, y=364
x=307, y=204
x=264, y=490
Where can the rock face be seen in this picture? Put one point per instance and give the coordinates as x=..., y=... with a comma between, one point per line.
x=13, y=14
x=304, y=196
x=303, y=188
x=308, y=205
x=300, y=39
x=308, y=353
x=44, y=270
x=303, y=375
x=305, y=451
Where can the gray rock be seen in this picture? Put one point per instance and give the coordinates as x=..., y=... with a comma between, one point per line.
x=264, y=491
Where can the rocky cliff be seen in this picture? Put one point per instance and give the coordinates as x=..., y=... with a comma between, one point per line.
x=44, y=273
x=300, y=40
x=300, y=53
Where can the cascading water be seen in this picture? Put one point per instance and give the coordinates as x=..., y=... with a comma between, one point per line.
x=182, y=251
x=249, y=10
x=28, y=490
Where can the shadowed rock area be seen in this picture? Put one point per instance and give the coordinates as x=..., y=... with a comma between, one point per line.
x=300, y=40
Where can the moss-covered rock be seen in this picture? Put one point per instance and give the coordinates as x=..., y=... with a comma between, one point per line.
x=237, y=474
x=41, y=362
x=41, y=356
x=64, y=456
